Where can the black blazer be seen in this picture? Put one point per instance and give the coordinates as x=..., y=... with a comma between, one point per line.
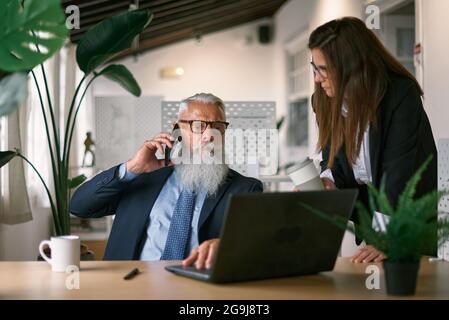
x=132, y=201
x=399, y=144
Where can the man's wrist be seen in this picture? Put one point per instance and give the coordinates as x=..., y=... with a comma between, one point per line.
x=124, y=174
x=132, y=168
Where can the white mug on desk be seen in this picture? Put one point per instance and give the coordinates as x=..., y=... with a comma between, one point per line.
x=65, y=252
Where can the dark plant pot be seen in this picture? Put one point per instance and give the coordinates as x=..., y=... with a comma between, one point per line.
x=401, y=277
x=85, y=253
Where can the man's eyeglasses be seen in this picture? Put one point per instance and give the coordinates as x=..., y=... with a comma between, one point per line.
x=199, y=126
x=322, y=71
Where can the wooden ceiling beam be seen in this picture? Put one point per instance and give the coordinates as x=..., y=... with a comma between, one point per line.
x=211, y=13
x=219, y=13
x=177, y=20
x=217, y=18
x=188, y=33
x=91, y=17
x=77, y=33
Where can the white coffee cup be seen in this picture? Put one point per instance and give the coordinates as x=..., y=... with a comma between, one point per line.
x=65, y=252
x=305, y=176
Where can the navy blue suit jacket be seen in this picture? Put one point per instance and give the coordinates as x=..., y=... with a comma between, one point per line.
x=132, y=201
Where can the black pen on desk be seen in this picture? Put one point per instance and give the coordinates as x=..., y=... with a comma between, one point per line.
x=134, y=272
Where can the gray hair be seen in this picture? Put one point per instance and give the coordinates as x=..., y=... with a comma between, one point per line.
x=205, y=98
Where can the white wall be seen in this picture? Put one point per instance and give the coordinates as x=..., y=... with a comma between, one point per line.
x=326, y=10
x=433, y=31
x=230, y=64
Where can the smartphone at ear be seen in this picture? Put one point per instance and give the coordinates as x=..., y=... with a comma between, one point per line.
x=170, y=151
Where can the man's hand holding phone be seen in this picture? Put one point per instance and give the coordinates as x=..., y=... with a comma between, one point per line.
x=145, y=159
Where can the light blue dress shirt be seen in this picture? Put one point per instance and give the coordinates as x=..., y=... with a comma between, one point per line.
x=160, y=216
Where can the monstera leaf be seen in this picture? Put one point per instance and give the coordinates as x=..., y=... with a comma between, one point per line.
x=109, y=37
x=37, y=23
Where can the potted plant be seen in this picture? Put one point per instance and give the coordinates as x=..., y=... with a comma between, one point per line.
x=31, y=31
x=412, y=229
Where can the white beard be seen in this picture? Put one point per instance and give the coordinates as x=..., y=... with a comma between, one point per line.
x=202, y=177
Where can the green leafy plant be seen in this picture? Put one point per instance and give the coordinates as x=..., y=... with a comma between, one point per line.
x=23, y=27
x=413, y=225
x=37, y=22
x=29, y=35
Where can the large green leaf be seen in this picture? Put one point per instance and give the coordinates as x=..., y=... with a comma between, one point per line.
x=13, y=92
x=120, y=74
x=6, y=156
x=39, y=23
x=109, y=37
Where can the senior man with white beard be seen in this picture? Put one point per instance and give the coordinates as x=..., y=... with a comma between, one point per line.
x=165, y=213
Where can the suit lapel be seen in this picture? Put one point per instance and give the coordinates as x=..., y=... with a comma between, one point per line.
x=211, y=202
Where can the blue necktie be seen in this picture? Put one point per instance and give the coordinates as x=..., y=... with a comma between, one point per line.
x=179, y=232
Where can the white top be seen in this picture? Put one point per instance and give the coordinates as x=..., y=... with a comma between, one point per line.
x=362, y=173
x=362, y=165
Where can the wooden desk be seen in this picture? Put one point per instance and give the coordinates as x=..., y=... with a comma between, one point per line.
x=104, y=280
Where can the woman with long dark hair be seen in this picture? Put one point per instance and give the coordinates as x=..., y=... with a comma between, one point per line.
x=370, y=116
